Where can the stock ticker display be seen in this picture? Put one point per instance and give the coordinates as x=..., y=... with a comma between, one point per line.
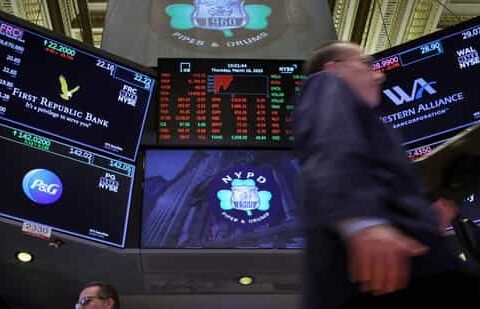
x=70, y=93
x=218, y=102
x=68, y=188
x=71, y=119
x=431, y=91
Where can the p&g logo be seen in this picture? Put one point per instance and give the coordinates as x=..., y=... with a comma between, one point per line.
x=42, y=186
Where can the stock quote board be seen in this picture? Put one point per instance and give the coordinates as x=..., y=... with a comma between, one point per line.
x=431, y=90
x=69, y=188
x=227, y=103
x=71, y=93
x=71, y=118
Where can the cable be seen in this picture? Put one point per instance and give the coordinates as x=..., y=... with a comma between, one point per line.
x=80, y=24
x=450, y=11
x=369, y=25
x=39, y=11
x=384, y=24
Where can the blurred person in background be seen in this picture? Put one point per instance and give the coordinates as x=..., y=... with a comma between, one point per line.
x=98, y=295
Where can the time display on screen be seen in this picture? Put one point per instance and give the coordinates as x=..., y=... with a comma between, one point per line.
x=227, y=102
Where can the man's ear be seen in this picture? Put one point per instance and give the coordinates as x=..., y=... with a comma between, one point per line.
x=330, y=66
x=110, y=303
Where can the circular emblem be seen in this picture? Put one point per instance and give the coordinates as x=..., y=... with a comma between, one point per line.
x=42, y=186
x=219, y=26
x=246, y=197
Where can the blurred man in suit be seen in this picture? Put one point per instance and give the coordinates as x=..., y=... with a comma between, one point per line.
x=98, y=295
x=373, y=239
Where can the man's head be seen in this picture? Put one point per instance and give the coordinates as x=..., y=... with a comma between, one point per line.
x=348, y=61
x=98, y=295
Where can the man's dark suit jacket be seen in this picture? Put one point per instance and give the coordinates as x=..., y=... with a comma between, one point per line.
x=353, y=166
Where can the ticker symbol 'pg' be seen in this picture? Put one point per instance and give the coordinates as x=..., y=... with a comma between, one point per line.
x=244, y=196
x=66, y=93
x=42, y=186
x=108, y=183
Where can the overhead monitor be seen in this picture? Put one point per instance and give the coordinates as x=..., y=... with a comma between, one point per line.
x=72, y=93
x=218, y=102
x=431, y=90
x=71, y=118
x=69, y=188
x=220, y=199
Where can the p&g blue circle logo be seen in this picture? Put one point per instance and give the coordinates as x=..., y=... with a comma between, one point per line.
x=42, y=186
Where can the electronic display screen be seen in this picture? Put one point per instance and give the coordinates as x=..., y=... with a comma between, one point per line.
x=71, y=93
x=215, y=102
x=431, y=91
x=230, y=29
x=68, y=188
x=220, y=199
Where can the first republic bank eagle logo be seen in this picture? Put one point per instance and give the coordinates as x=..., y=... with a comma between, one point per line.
x=65, y=92
x=221, y=25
